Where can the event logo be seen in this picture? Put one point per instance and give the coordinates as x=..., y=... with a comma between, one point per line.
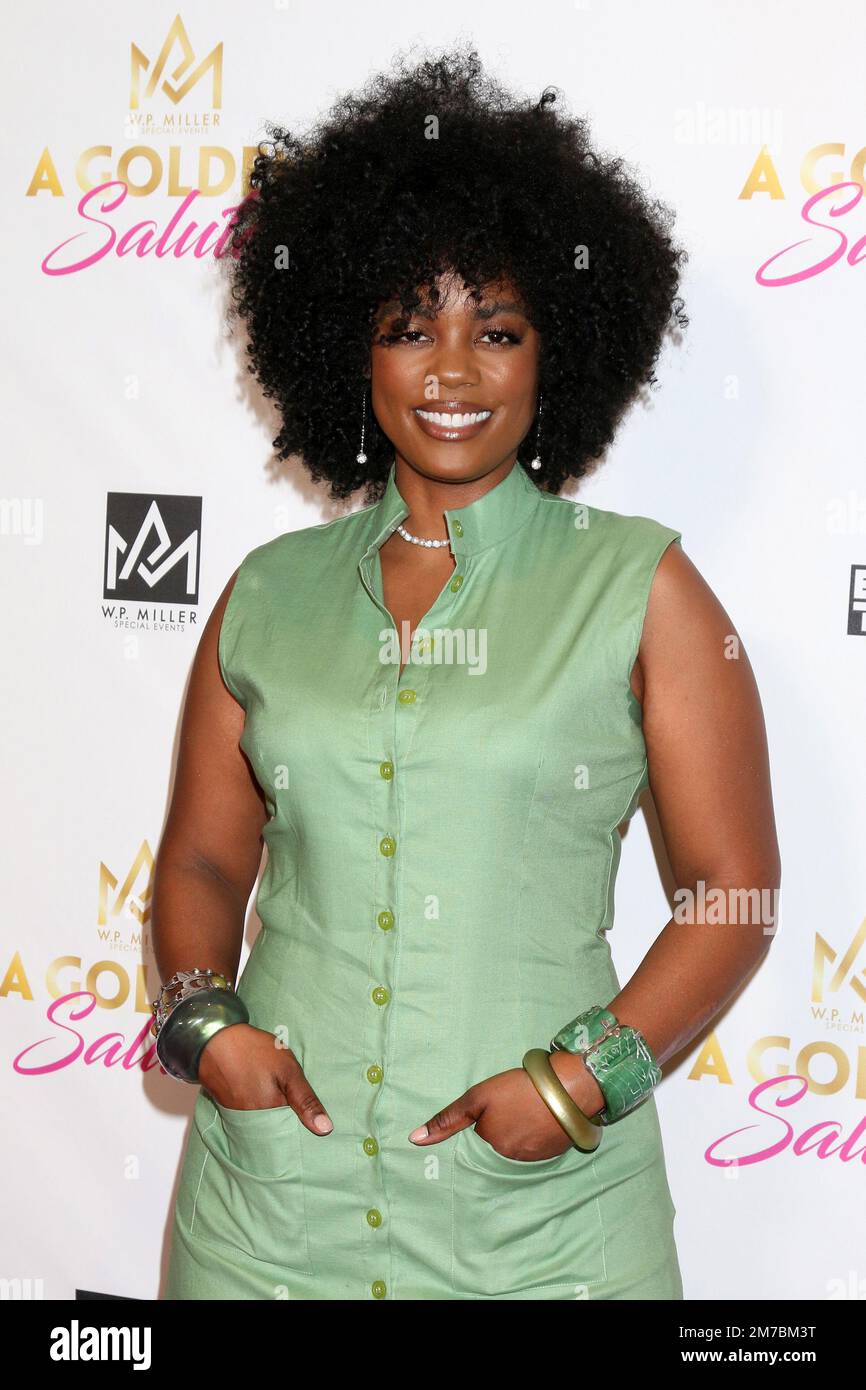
x=849, y=972
x=776, y=1135
x=142, y=67
x=137, y=164
x=152, y=548
x=793, y=1076
x=78, y=990
x=857, y=602
x=833, y=234
x=127, y=905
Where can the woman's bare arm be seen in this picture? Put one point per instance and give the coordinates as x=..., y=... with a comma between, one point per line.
x=710, y=779
x=211, y=846
x=206, y=867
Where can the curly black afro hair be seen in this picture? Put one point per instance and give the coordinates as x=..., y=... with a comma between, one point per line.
x=429, y=169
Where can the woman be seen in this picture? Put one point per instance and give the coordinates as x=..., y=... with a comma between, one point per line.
x=436, y=711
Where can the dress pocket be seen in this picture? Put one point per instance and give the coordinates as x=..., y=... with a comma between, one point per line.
x=518, y=1225
x=251, y=1192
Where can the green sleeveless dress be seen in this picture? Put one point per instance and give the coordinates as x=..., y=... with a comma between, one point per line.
x=442, y=852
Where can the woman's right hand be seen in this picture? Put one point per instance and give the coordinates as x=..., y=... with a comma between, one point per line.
x=243, y=1069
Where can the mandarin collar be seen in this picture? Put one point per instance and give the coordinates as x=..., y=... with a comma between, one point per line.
x=488, y=520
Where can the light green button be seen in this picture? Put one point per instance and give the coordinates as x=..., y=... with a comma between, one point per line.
x=458, y=529
x=455, y=583
x=386, y=770
x=385, y=920
x=374, y=1217
x=406, y=697
x=381, y=995
x=377, y=1288
x=374, y=1074
x=387, y=844
x=370, y=1145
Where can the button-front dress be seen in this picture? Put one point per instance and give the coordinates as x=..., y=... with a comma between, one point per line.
x=442, y=848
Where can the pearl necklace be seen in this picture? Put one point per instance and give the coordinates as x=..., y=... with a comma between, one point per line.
x=419, y=540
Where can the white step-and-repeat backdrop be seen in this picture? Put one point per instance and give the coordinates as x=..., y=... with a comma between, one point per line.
x=128, y=131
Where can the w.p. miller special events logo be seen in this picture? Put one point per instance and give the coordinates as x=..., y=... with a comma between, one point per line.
x=124, y=907
x=152, y=554
x=834, y=973
x=173, y=74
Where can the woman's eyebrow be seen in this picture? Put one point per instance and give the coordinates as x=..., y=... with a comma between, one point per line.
x=502, y=306
x=482, y=311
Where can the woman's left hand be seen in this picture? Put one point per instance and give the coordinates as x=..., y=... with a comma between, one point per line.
x=510, y=1115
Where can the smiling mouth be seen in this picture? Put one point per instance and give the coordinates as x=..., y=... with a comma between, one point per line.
x=450, y=426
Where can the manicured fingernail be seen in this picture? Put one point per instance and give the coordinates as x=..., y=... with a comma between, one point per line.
x=419, y=1133
x=323, y=1124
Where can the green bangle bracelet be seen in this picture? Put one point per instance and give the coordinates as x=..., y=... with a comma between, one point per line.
x=191, y=1025
x=625, y=1070
x=588, y=1028
x=617, y=1055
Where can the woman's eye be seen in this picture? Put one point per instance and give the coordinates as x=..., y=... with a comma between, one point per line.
x=502, y=333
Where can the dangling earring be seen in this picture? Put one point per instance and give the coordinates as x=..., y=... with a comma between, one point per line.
x=536, y=462
x=361, y=457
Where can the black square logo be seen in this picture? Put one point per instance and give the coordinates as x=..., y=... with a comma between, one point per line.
x=857, y=602
x=152, y=547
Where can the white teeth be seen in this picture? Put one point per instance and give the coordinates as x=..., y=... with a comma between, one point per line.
x=453, y=422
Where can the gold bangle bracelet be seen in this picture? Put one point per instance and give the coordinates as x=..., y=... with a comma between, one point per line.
x=583, y=1131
